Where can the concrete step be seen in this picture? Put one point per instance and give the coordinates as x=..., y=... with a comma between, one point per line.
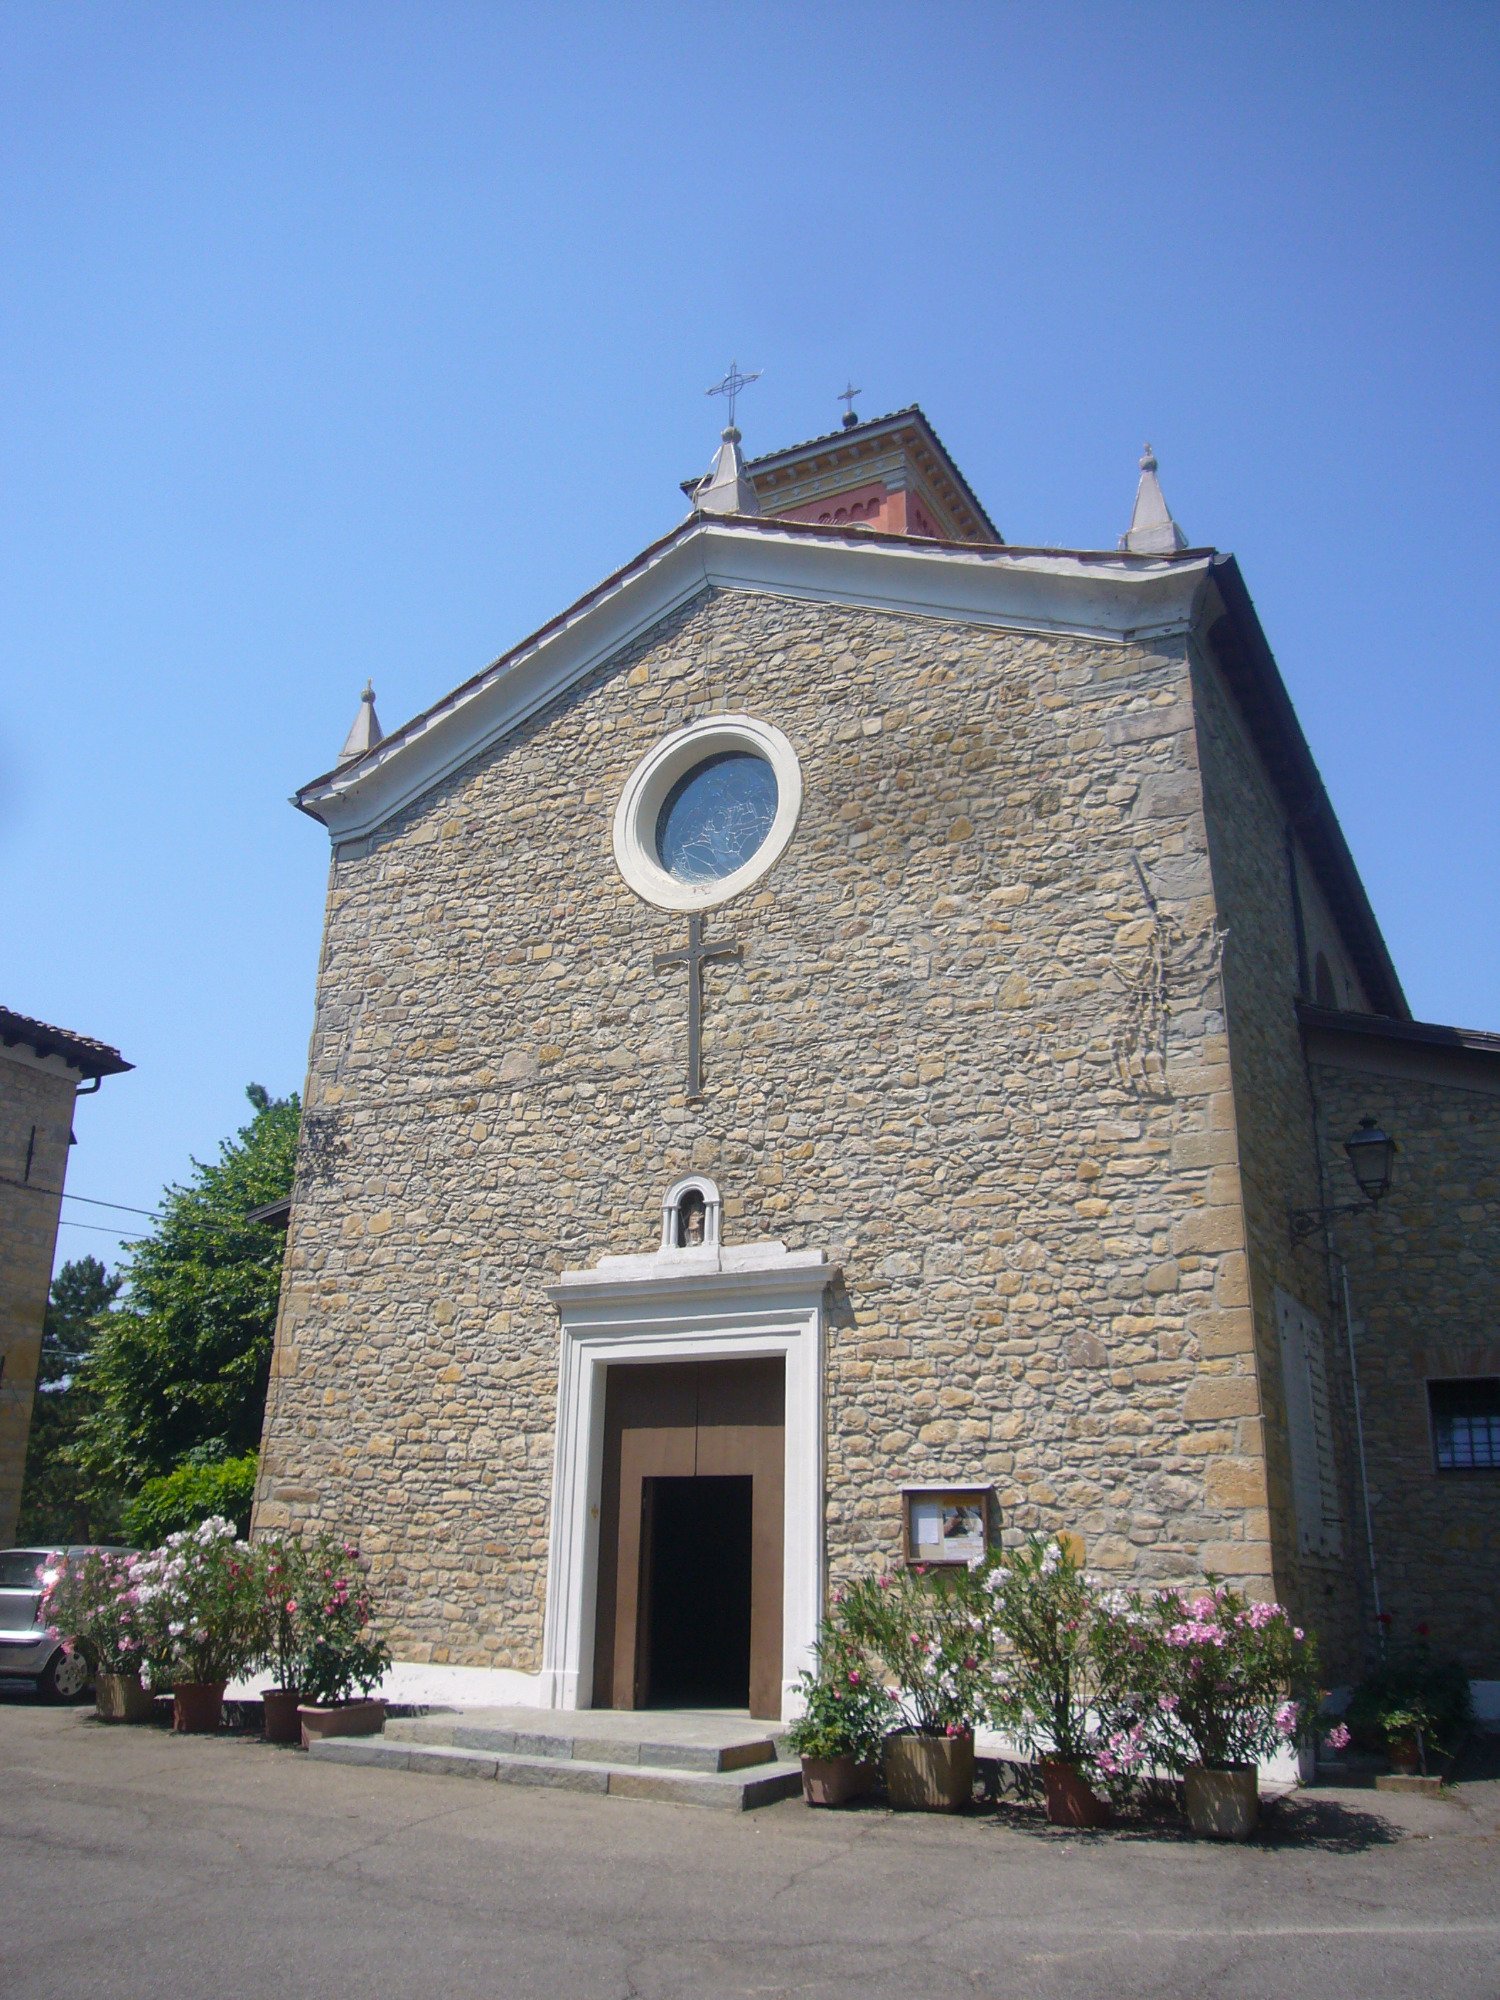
x=731, y=1791
x=683, y=1742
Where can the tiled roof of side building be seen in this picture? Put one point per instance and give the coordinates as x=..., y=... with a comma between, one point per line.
x=82, y=1051
x=1381, y=1027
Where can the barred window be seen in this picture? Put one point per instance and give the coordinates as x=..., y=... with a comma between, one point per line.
x=1466, y=1424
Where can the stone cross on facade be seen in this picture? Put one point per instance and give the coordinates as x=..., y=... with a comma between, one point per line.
x=695, y=955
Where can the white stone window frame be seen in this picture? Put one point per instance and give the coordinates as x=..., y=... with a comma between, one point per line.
x=760, y=1300
x=646, y=790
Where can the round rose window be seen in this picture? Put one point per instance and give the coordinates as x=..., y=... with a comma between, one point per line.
x=716, y=817
x=707, y=811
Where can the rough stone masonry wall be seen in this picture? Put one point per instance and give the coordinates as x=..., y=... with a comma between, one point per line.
x=1277, y=1151
x=36, y=1109
x=951, y=1057
x=1424, y=1280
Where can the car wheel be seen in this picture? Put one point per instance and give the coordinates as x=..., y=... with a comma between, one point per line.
x=64, y=1678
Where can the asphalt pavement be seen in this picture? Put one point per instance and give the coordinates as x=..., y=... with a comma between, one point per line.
x=136, y=1863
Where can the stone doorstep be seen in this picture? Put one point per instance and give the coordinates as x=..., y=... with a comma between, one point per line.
x=732, y=1791
x=1409, y=1781
x=560, y=1745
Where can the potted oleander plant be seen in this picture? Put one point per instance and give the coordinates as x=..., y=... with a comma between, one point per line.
x=1229, y=1681
x=283, y=1574
x=200, y=1605
x=91, y=1602
x=845, y=1714
x=1062, y=1676
x=924, y=1629
x=341, y=1658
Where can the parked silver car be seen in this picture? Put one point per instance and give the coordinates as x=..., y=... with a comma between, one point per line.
x=27, y=1650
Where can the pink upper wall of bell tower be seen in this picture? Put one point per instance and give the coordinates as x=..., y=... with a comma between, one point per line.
x=892, y=473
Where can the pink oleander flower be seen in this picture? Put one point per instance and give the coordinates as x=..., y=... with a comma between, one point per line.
x=855, y=1677
x=971, y=1665
x=1286, y=1718
x=1337, y=1737
x=1168, y=1704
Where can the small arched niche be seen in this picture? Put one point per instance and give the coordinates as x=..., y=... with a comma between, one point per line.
x=690, y=1214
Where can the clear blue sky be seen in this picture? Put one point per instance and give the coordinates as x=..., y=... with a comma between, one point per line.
x=356, y=340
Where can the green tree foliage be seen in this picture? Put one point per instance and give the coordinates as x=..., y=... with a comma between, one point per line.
x=58, y=1502
x=178, y=1371
x=193, y=1493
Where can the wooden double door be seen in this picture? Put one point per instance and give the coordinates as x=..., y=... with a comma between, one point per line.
x=691, y=1536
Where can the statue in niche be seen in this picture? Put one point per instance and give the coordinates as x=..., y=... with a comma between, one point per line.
x=691, y=1216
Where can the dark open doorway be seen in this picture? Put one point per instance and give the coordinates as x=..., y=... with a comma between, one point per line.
x=708, y=1439
x=697, y=1591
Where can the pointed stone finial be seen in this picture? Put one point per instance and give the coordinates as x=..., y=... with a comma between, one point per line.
x=366, y=731
x=727, y=489
x=1152, y=531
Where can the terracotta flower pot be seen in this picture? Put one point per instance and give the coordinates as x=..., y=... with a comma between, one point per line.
x=1405, y=1755
x=833, y=1781
x=280, y=1724
x=198, y=1707
x=1071, y=1800
x=343, y=1718
x=929, y=1773
x=1222, y=1805
x=121, y=1698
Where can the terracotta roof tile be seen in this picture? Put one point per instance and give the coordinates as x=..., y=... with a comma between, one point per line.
x=82, y=1051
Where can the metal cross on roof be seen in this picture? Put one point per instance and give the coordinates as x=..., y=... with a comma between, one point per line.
x=731, y=386
x=850, y=420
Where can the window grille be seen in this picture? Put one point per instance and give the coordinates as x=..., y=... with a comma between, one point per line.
x=1466, y=1424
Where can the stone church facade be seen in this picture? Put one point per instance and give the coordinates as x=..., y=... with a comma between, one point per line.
x=1007, y=1092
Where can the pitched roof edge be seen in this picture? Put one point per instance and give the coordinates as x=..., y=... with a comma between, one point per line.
x=81, y=1051
x=1381, y=1027
x=394, y=738
x=1248, y=664
x=997, y=556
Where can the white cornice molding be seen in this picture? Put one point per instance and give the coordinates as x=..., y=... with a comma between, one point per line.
x=676, y=1278
x=1034, y=591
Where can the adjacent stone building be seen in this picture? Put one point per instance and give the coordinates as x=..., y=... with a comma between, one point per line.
x=812, y=1055
x=42, y=1071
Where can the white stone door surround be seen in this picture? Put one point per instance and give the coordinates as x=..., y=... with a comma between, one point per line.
x=709, y=1304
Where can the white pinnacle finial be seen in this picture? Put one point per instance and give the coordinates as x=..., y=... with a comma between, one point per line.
x=727, y=488
x=1152, y=531
x=366, y=731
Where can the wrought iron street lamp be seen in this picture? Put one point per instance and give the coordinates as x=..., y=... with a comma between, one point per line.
x=1372, y=1155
